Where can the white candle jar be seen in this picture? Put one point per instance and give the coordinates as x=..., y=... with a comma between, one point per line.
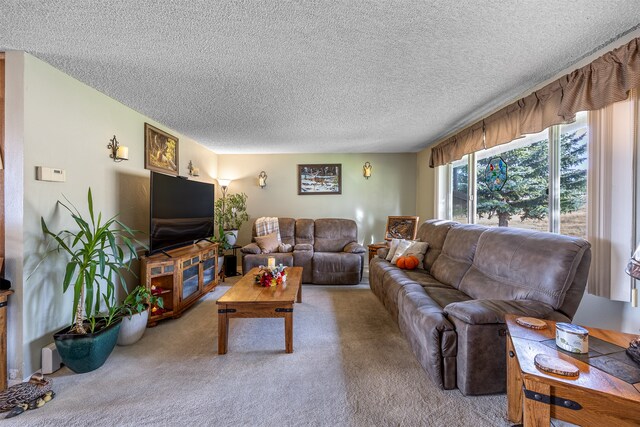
x=572, y=338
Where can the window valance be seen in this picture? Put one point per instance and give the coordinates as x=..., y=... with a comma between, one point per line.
x=604, y=81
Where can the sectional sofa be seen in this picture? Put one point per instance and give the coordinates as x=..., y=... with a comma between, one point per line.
x=327, y=249
x=452, y=311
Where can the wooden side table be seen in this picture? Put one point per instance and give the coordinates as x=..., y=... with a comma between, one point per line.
x=373, y=248
x=606, y=392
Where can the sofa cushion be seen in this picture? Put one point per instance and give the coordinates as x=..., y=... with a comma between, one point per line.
x=445, y=296
x=303, y=247
x=354, y=248
x=457, y=253
x=515, y=264
x=433, y=232
x=480, y=312
x=424, y=279
x=333, y=234
x=336, y=268
x=304, y=231
x=268, y=243
x=287, y=230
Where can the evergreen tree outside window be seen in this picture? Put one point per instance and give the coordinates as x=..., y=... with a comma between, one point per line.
x=460, y=190
x=523, y=201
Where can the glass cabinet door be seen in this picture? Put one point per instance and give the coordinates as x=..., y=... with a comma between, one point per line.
x=190, y=277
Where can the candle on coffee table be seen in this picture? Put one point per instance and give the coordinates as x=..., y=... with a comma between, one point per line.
x=271, y=262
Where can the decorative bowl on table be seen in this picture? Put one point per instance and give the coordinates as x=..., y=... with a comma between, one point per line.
x=271, y=276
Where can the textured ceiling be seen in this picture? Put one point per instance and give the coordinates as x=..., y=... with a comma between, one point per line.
x=313, y=76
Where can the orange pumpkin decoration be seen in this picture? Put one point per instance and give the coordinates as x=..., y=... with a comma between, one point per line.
x=409, y=262
x=400, y=262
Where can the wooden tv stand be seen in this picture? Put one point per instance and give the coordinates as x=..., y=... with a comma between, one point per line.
x=180, y=276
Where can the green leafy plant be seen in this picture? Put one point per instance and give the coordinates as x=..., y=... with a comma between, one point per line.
x=139, y=300
x=231, y=211
x=221, y=238
x=95, y=259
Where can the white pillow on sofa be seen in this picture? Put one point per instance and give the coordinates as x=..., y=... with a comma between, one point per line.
x=403, y=245
x=418, y=250
x=392, y=249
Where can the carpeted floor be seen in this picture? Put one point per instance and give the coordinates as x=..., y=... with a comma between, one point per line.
x=350, y=367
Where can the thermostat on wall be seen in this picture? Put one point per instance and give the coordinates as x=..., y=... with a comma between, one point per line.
x=44, y=173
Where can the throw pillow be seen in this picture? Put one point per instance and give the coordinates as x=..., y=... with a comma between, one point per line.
x=251, y=248
x=392, y=249
x=285, y=247
x=403, y=245
x=418, y=249
x=268, y=243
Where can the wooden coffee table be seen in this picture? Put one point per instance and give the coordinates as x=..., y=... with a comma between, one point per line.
x=245, y=299
x=606, y=392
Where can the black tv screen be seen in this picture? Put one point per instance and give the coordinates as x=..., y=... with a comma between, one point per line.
x=181, y=212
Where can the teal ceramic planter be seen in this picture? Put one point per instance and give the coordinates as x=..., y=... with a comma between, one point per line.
x=85, y=353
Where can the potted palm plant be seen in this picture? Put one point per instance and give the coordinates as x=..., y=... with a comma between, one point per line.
x=135, y=313
x=231, y=212
x=95, y=261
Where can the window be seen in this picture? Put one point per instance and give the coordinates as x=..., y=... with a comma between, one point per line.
x=460, y=190
x=523, y=200
x=574, y=138
x=536, y=195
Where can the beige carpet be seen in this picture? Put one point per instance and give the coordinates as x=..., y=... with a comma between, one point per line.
x=350, y=367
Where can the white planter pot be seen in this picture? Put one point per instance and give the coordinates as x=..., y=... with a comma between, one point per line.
x=133, y=328
x=232, y=237
x=220, y=264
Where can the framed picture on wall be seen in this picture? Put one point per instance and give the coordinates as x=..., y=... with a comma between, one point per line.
x=320, y=179
x=160, y=150
x=401, y=227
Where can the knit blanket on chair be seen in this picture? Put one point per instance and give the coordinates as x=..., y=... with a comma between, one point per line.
x=267, y=225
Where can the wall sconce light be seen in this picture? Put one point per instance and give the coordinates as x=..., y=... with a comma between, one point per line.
x=262, y=179
x=118, y=152
x=193, y=171
x=366, y=170
x=224, y=185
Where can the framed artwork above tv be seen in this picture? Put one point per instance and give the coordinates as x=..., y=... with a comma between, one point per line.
x=160, y=150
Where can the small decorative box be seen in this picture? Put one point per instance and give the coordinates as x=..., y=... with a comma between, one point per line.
x=572, y=338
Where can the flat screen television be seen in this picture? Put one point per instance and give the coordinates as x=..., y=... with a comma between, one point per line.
x=181, y=212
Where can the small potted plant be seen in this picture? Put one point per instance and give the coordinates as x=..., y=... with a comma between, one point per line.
x=135, y=313
x=95, y=259
x=223, y=244
x=231, y=212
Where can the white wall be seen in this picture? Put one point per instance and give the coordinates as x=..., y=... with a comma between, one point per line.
x=66, y=124
x=390, y=190
x=425, y=186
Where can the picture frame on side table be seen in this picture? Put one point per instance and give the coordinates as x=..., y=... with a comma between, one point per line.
x=320, y=179
x=401, y=227
x=160, y=151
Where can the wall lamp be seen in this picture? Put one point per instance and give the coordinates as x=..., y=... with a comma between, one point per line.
x=224, y=185
x=262, y=179
x=118, y=152
x=193, y=171
x=366, y=170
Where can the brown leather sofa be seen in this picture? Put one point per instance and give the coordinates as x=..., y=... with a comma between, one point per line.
x=452, y=311
x=326, y=248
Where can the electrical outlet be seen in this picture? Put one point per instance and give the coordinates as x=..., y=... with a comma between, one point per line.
x=13, y=374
